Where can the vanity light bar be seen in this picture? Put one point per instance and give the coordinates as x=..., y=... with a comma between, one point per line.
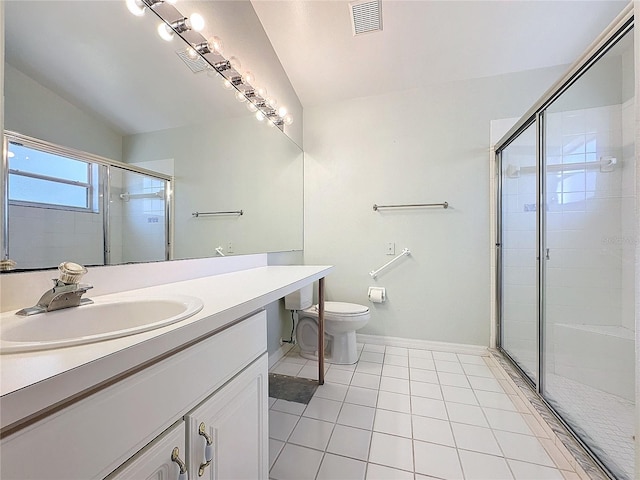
x=202, y=48
x=222, y=66
x=187, y=28
x=152, y=3
x=181, y=25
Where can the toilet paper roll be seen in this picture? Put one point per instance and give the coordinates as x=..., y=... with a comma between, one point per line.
x=377, y=294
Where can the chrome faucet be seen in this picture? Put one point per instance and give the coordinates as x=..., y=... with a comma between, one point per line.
x=66, y=291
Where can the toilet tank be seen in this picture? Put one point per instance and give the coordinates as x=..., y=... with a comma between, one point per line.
x=299, y=300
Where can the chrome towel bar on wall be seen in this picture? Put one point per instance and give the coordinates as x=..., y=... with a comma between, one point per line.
x=410, y=205
x=232, y=212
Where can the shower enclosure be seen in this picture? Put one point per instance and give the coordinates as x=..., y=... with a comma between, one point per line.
x=64, y=204
x=566, y=243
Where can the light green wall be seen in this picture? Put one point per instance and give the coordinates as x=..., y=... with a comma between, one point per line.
x=32, y=109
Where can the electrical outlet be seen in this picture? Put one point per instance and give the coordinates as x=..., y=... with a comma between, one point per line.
x=230, y=247
x=391, y=248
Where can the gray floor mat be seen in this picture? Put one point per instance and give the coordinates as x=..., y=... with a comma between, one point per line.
x=293, y=389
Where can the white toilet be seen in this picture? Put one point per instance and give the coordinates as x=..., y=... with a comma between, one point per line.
x=341, y=320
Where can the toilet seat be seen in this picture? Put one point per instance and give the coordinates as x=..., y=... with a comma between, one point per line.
x=342, y=309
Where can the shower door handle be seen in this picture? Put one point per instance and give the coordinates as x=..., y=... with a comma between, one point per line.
x=546, y=253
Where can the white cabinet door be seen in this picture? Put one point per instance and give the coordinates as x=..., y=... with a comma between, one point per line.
x=235, y=421
x=157, y=461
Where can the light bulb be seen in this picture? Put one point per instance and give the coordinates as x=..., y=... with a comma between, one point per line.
x=235, y=63
x=211, y=72
x=240, y=96
x=259, y=116
x=196, y=21
x=272, y=102
x=270, y=123
x=216, y=45
x=165, y=32
x=288, y=119
x=172, y=2
x=136, y=7
x=251, y=107
x=191, y=53
x=282, y=111
x=227, y=84
x=262, y=92
x=248, y=77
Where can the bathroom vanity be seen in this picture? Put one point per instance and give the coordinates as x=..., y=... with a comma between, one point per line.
x=187, y=398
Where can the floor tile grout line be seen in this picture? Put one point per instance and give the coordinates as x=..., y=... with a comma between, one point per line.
x=374, y=422
x=500, y=367
x=412, y=414
x=413, y=449
x=493, y=434
x=455, y=443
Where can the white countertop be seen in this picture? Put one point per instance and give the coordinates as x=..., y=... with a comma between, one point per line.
x=34, y=381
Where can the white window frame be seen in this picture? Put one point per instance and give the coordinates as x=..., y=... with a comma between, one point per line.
x=90, y=188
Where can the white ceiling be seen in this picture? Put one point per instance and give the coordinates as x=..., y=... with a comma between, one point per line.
x=107, y=62
x=127, y=76
x=425, y=42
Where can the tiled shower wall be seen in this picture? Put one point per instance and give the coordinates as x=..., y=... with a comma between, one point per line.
x=583, y=218
x=589, y=295
x=586, y=223
x=144, y=221
x=137, y=225
x=43, y=237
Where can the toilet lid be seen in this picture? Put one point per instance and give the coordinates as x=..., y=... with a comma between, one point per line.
x=342, y=308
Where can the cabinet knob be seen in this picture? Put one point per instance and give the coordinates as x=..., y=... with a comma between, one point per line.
x=183, y=475
x=208, y=448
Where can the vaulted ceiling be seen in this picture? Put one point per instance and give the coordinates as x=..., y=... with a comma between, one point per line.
x=424, y=42
x=125, y=73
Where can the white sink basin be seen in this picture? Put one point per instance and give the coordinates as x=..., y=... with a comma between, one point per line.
x=102, y=320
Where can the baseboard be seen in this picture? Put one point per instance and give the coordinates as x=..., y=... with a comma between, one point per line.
x=423, y=344
x=274, y=357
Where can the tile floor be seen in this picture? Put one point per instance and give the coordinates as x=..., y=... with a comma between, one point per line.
x=410, y=414
x=605, y=421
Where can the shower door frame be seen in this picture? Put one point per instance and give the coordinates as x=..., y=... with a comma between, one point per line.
x=502, y=145
x=536, y=115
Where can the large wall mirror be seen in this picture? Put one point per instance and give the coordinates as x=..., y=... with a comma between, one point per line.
x=91, y=77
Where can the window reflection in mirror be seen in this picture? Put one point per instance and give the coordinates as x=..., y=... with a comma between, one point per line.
x=62, y=205
x=41, y=179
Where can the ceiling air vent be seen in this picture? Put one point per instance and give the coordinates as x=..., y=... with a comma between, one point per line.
x=366, y=16
x=196, y=65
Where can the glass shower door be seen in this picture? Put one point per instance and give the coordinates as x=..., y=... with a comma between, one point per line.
x=138, y=217
x=519, y=309
x=589, y=243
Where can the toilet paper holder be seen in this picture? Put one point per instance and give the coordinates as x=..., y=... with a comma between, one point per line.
x=377, y=294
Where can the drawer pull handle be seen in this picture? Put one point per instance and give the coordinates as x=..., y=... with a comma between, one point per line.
x=208, y=448
x=183, y=475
